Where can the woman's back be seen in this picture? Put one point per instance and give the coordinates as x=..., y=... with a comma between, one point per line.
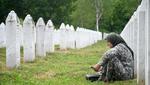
x=125, y=55
x=126, y=58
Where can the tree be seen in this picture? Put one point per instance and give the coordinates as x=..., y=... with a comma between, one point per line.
x=87, y=14
x=122, y=12
x=84, y=14
x=57, y=10
x=99, y=11
x=7, y=5
x=116, y=14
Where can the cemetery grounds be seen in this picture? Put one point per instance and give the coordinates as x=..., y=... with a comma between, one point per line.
x=58, y=68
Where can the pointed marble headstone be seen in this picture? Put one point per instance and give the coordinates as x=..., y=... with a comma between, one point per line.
x=2, y=35
x=49, y=41
x=12, y=45
x=28, y=39
x=40, y=38
x=63, y=44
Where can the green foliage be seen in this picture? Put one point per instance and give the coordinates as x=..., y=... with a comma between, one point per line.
x=119, y=14
x=116, y=14
x=84, y=15
x=7, y=5
x=59, y=68
x=57, y=10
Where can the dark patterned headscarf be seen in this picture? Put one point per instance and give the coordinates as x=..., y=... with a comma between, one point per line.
x=116, y=39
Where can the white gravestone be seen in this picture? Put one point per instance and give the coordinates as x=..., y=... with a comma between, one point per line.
x=28, y=39
x=135, y=46
x=40, y=37
x=72, y=36
x=68, y=36
x=56, y=37
x=79, y=38
x=2, y=35
x=62, y=37
x=12, y=45
x=141, y=49
x=49, y=41
x=147, y=65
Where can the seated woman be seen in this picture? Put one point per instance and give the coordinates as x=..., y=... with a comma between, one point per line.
x=117, y=63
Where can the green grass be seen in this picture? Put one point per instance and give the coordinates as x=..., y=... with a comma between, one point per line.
x=59, y=68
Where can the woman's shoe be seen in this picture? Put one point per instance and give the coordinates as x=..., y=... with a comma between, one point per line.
x=92, y=77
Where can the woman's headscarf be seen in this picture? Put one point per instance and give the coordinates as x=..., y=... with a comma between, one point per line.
x=116, y=39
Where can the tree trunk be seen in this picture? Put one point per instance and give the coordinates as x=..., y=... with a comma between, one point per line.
x=97, y=22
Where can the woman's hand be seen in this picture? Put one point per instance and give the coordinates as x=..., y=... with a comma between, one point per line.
x=96, y=67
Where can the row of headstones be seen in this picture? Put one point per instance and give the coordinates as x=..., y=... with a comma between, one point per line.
x=137, y=35
x=71, y=35
x=69, y=38
x=40, y=39
x=74, y=39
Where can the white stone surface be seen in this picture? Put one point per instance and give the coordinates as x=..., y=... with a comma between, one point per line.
x=49, y=41
x=12, y=43
x=40, y=38
x=135, y=45
x=2, y=35
x=147, y=64
x=56, y=37
x=28, y=39
x=63, y=37
x=72, y=37
x=141, y=49
x=78, y=38
x=67, y=34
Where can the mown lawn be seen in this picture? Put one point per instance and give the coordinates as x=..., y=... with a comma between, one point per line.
x=59, y=68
